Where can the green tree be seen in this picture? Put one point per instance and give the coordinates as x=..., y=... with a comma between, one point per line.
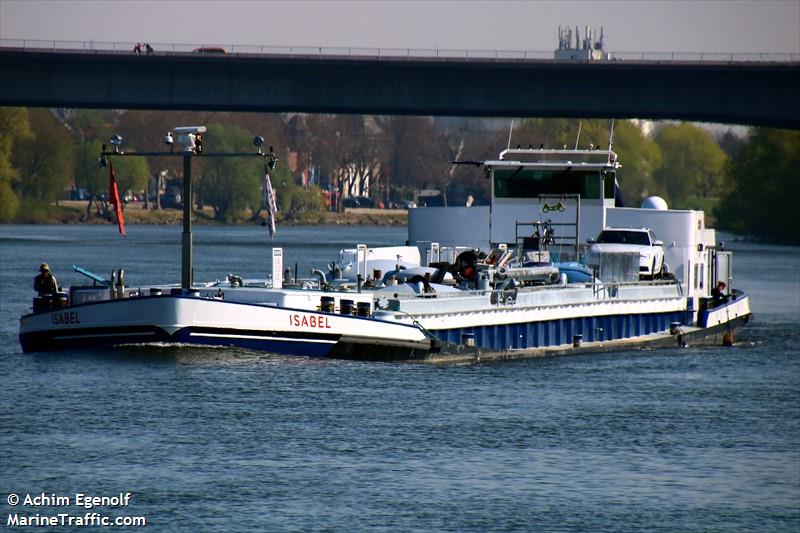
x=91, y=129
x=144, y=131
x=14, y=128
x=132, y=173
x=229, y=184
x=45, y=160
x=764, y=196
x=640, y=158
x=639, y=155
x=88, y=173
x=693, y=164
x=293, y=199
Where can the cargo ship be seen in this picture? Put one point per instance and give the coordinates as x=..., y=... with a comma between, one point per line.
x=552, y=265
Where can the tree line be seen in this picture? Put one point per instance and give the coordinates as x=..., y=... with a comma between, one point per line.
x=748, y=183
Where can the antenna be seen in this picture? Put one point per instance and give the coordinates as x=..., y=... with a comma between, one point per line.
x=611, y=136
x=578, y=138
x=510, y=129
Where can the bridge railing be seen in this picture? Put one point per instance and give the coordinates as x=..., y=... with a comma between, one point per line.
x=105, y=47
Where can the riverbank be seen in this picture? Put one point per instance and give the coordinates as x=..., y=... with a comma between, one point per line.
x=72, y=212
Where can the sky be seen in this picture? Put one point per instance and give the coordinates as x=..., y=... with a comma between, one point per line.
x=724, y=26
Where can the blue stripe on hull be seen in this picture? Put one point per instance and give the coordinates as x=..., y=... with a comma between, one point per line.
x=288, y=346
x=42, y=341
x=307, y=345
x=559, y=332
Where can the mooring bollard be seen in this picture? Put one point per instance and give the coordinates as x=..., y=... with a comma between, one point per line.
x=326, y=304
x=346, y=307
x=363, y=309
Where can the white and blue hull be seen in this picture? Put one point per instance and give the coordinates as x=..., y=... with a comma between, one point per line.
x=396, y=322
x=556, y=317
x=189, y=320
x=413, y=328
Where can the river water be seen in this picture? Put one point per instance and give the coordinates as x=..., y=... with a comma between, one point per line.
x=693, y=439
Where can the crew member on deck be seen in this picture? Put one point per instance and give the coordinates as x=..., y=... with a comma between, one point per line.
x=45, y=283
x=718, y=293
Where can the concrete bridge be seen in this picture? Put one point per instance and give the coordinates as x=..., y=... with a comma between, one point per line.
x=748, y=92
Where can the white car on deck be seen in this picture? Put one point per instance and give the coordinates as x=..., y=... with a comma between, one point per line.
x=639, y=240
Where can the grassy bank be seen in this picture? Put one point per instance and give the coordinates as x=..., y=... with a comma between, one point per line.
x=69, y=212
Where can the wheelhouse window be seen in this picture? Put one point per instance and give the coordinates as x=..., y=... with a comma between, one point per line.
x=523, y=182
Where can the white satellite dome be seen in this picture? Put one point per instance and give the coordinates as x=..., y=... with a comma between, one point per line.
x=655, y=202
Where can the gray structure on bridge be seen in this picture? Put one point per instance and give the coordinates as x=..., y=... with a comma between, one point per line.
x=752, y=93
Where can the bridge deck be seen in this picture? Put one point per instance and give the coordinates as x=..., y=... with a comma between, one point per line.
x=757, y=93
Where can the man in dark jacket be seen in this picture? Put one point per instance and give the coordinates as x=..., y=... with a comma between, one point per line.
x=718, y=295
x=45, y=283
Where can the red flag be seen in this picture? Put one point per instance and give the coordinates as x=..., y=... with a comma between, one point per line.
x=113, y=198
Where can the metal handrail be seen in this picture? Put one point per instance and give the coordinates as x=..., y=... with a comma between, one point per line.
x=440, y=54
x=600, y=285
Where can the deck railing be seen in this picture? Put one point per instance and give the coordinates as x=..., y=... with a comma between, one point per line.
x=333, y=52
